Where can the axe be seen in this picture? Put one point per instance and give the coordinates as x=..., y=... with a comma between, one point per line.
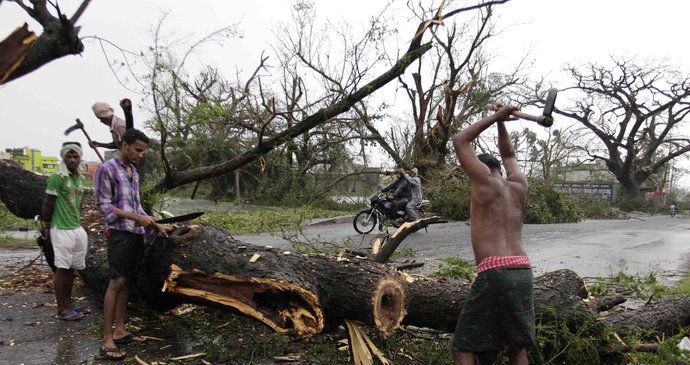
x=80, y=125
x=546, y=118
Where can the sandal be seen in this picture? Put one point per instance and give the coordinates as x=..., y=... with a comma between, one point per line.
x=112, y=353
x=71, y=316
x=129, y=338
x=81, y=309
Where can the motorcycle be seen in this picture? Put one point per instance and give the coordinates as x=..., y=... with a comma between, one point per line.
x=382, y=211
x=673, y=211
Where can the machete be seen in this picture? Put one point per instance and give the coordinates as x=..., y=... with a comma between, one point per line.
x=180, y=218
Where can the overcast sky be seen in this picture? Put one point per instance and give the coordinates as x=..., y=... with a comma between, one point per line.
x=37, y=108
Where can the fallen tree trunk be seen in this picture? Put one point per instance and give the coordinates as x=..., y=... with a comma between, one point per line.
x=436, y=303
x=286, y=291
x=304, y=293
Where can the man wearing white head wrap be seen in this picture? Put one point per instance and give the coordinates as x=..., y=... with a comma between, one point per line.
x=62, y=228
x=106, y=114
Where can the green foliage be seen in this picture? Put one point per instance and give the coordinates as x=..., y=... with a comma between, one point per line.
x=548, y=205
x=404, y=252
x=456, y=268
x=557, y=344
x=9, y=221
x=682, y=287
x=449, y=195
x=638, y=204
x=13, y=242
x=636, y=286
x=595, y=207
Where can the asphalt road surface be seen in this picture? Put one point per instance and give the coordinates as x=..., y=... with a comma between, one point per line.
x=591, y=248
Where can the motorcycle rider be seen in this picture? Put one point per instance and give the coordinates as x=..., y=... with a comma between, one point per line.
x=415, y=184
x=398, y=192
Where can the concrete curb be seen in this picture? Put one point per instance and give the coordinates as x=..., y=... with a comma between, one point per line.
x=324, y=221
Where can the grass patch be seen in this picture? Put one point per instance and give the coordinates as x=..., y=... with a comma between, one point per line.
x=456, y=268
x=277, y=219
x=403, y=252
x=10, y=222
x=682, y=287
x=13, y=242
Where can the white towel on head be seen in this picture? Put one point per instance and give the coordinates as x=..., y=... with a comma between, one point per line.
x=102, y=110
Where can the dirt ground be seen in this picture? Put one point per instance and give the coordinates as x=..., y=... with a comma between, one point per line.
x=30, y=333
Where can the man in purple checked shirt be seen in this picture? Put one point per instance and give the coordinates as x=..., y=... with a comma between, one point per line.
x=126, y=223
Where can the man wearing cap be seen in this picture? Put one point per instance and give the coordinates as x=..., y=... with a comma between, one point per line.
x=62, y=227
x=415, y=185
x=105, y=113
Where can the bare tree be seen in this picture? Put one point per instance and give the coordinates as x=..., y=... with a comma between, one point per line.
x=60, y=35
x=458, y=86
x=638, y=114
x=358, y=84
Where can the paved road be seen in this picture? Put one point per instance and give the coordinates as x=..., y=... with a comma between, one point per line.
x=591, y=248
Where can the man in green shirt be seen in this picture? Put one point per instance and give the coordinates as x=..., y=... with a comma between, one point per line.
x=61, y=219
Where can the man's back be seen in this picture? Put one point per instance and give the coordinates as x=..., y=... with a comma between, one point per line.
x=496, y=211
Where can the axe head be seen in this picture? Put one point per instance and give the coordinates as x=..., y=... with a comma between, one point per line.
x=550, y=102
x=73, y=128
x=546, y=118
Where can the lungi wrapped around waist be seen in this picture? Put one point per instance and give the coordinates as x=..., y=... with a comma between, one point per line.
x=498, y=314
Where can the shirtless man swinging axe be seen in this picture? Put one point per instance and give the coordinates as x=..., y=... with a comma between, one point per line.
x=498, y=314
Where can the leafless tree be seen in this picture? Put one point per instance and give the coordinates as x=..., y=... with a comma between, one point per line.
x=638, y=113
x=356, y=81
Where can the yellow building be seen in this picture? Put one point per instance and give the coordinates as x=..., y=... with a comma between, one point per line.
x=33, y=160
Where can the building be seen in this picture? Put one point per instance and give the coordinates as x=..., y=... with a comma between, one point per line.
x=88, y=169
x=32, y=160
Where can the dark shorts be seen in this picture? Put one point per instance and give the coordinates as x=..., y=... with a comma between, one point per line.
x=125, y=253
x=498, y=314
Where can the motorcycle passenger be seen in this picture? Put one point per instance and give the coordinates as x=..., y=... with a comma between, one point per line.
x=415, y=185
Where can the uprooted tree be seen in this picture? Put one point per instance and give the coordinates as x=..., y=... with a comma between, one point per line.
x=306, y=294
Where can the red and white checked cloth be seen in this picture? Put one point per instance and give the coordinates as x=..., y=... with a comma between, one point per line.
x=493, y=262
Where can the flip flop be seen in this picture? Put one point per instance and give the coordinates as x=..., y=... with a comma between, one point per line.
x=81, y=309
x=72, y=316
x=128, y=338
x=107, y=353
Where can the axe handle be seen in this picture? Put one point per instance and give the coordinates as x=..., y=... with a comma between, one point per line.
x=540, y=119
x=94, y=148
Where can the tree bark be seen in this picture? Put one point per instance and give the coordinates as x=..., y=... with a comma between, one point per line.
x=21, y=190
x=286, y=291
x=306, y=293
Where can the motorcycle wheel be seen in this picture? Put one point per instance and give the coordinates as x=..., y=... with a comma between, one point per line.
x=364, y=221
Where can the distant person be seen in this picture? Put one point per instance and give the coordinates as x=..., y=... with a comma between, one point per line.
x=498, y=314
x=106, y=114
x=415, y=185
x=674, y=208
x=62, y=229
x=118, y=199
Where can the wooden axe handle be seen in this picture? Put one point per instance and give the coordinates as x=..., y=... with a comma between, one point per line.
x=81, y=126
x=540, y=119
